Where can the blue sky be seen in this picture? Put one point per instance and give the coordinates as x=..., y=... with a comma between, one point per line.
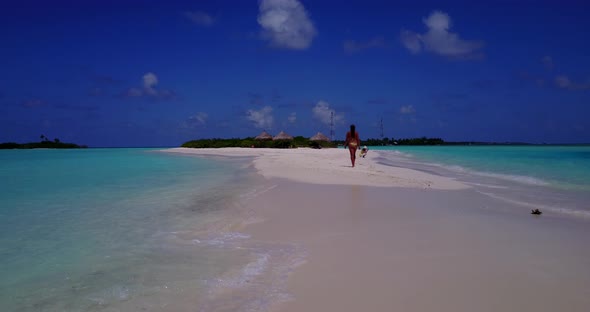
x=155, y=73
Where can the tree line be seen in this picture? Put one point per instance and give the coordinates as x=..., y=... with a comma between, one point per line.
x=392, y=141
x=44, y=143
x=298, y=141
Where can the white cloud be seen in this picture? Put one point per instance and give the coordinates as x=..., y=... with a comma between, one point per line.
x=292, y=117
x=564, y=82
x=200, y=118
x=150, y=81
x=439, y=40
x=411, y=41
x=408, y=109
x=200, y=18
x=322, y=112
x=262, y=118
x=285, y=24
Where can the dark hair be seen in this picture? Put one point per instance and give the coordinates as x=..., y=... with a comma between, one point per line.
x=352, y=130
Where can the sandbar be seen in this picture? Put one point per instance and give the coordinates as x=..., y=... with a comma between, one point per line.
x=383, y=238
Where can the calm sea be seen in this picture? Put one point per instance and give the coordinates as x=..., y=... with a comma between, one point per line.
x=554, y=178
x=126, y=230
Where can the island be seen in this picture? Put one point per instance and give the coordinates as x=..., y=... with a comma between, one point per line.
x=300, y=141
x=44, y=143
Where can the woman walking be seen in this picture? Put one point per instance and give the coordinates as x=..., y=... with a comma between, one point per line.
x=352, y=142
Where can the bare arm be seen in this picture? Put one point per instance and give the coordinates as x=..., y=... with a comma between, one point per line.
x=347, y=139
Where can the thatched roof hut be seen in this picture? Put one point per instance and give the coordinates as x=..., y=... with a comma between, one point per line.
x=282, y=136
x=264, y=136
x=319, y=137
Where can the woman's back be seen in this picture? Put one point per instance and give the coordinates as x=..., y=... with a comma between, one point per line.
x=352, y=142
x=352, y=138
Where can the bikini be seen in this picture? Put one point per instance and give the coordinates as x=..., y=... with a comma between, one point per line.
x=353, y=143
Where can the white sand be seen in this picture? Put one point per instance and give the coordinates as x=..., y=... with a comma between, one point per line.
x=330, y=166
x=414, y=250
x=382, y=238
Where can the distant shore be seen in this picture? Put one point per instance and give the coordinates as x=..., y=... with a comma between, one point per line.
x=42, y=144
x=300, y=141
x=383, y=238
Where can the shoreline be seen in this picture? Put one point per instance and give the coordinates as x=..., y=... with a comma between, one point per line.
x=415, y=242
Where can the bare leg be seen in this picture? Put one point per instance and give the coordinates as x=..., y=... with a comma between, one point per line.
x=352, y=155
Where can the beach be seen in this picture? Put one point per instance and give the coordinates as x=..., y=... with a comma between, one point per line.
x=388, y=238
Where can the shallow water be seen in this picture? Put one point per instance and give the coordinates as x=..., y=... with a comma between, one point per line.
x=129, y=230
x=554, y=179
x=562, y=166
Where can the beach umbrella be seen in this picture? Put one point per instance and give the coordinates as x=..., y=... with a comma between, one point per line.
x=319, y=137
x=264, y=136
x=282, y=136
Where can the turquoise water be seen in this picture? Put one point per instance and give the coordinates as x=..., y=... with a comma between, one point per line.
x=561, y=166
x=554, y=178
x=117, y=229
